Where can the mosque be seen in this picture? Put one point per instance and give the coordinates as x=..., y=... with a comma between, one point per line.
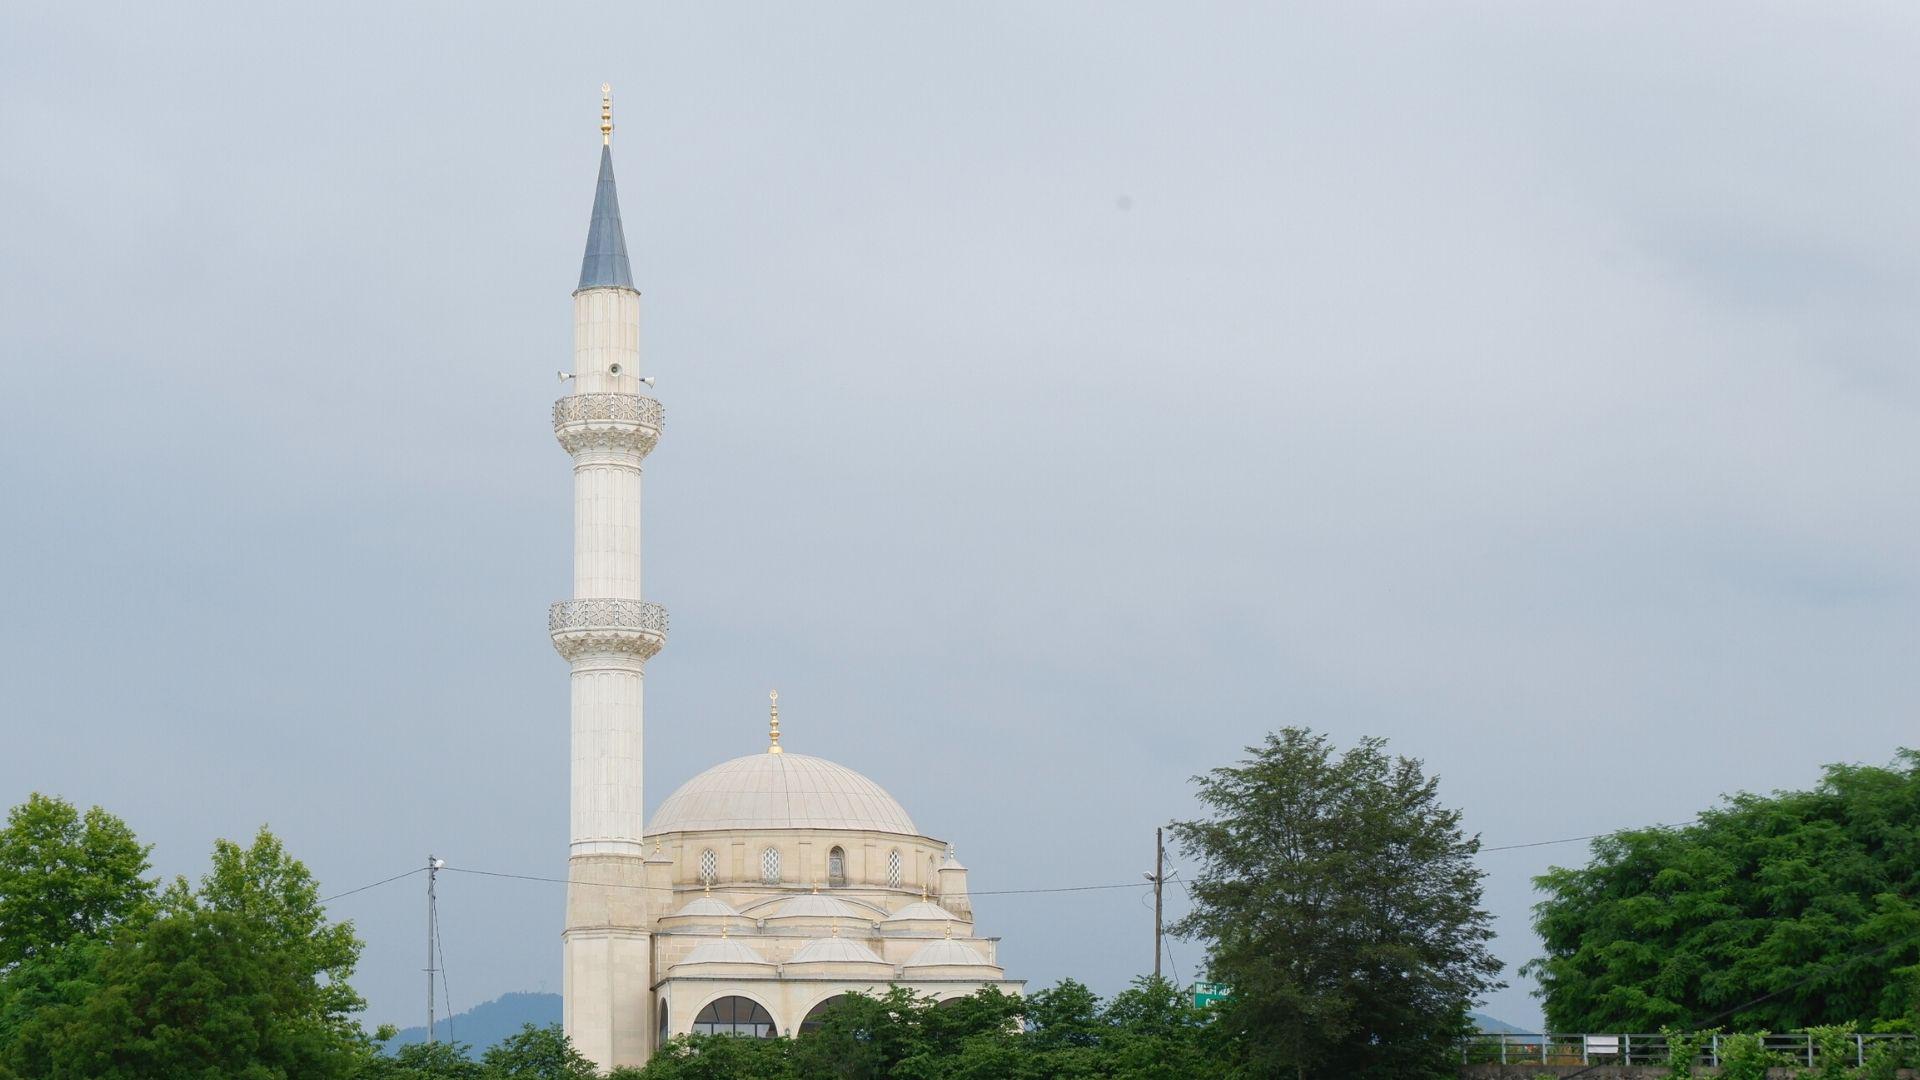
x=764, y=887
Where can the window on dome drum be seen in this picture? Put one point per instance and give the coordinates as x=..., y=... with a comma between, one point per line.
x=812, y=1023
x=709, y=867
x=836, y=867
x=663, y=1025
x=734, y=1016
x=770, y=866
x=893, y=869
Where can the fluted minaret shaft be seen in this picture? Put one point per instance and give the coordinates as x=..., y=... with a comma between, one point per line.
x=607, y=632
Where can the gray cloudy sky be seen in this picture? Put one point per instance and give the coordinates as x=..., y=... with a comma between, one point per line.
x=1060, y=397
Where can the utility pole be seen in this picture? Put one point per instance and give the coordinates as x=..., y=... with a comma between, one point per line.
x=433, y=936
x=1159, y=878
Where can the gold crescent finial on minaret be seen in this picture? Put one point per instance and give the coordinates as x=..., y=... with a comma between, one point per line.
x=606, y=114
x=773, y=722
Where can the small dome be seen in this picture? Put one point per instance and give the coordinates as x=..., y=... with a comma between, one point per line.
x=815, y=906
x=780, y=791
x=925, y=911
x=948, y=953
x=835, y=950
x=724, y=951
x=706, y=907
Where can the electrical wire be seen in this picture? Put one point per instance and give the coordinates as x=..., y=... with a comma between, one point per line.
x=662, y=888
x=1577, y=839
x=375, y=885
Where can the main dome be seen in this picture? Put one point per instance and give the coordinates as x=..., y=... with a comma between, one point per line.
x=781, y=791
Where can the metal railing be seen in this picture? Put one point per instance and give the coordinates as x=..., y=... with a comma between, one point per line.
x=1646, y=1049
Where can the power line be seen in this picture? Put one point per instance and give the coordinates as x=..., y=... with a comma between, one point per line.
x=663, y=888
x=375, y=885
x=1577, y=839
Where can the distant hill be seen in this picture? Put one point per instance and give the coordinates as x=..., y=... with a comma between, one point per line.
x=483, y=1025
x=1487, y=1025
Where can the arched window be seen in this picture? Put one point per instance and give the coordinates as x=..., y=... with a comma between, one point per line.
x=734, y=1016
x=770, y=866
x=812, y=1023
x=836, y=867
x=663, y=1026
x=709, y=867
x=893, y=869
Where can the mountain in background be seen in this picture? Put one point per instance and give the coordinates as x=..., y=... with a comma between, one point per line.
x=483, y=1025
x=1487, y=1025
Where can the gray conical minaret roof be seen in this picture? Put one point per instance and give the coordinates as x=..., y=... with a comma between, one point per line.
x=605, y=264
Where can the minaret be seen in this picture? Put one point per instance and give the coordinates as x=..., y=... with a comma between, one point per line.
x=607, y=633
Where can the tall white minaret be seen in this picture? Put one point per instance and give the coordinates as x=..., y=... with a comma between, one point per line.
x=607, y=633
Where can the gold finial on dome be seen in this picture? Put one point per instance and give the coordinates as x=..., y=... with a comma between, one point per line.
x=773, y=722
x=606, y=114
x=949, y=930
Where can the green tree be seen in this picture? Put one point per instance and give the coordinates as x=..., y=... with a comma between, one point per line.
x=275, y=893
x=65, y=876
x=441, y=1060
x=719, y=1057
x=1340, y=901
x=1783, y=912
x=537, y=1053
x=243, y=978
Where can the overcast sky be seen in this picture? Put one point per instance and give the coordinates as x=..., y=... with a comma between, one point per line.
x=1060, y=397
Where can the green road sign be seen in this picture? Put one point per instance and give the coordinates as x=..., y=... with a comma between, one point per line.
x=1205, y=994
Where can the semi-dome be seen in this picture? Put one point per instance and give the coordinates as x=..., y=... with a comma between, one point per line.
x=925, y=911
x=815, y=906
x=725, y=951
x=706, y=907
x=948, y=953
x=781, y=791
x=835, y=950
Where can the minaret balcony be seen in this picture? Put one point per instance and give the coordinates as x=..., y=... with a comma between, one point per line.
x=630, y=422
x=636, y=628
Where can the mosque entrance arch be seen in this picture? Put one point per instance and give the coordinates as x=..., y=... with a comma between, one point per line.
x=812, y=1023
x=735, y=1015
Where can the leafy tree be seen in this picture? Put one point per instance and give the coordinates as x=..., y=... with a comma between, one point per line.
x=65, y=876
x=441, y=1060
x=243, y=978
x=199, y=993
x=1782, y=912
x=1150, y=1032
x=718, y=1057
x=275, y=893
x=1341, y=903
x=538, y=1053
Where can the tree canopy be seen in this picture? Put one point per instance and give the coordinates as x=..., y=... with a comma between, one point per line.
x=65, y=876
x=1150, y=1031
x=1777, y=912
x=1341, y=904
x=241, y=977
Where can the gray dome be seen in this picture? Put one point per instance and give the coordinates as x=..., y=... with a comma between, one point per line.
x=781, y=791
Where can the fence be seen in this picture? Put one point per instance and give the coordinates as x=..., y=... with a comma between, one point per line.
x=1552, y=1049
